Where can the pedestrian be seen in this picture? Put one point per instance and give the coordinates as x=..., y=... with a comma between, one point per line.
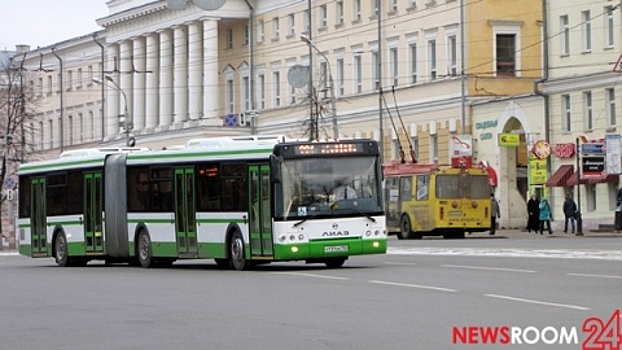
x=570, y=212
x=619, y=199
x=494, y=214
x=545, y=215
x=533, y=208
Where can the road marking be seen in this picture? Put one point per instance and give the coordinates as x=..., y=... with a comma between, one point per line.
x=441, y=289
x=595, y=276
x=312, y=275
x=511, y=252
x=399, y=264
x=529, y=301
x=9, y=254
x=488, y=268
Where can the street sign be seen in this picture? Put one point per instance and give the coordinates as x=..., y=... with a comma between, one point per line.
x=593, y=148
x=9, y=183
x=613, y=158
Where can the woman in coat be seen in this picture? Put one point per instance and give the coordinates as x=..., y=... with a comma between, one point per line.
x=533, y=208
x=545, y=215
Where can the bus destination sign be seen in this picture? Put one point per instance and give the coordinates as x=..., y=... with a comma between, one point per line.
x=328, y=148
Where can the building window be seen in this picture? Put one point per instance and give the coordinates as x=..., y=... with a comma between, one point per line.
x=586, y=31
x=434, y=148
x=432, y=59
x=567, y=121
x=71, y=131
x=323, y=16
x=247, y=93
x=588, y=112
x=611, y=106
x=358, y=73
x=412, y=49
x=452, y=56
x=394, y=6
x=396, y=149
x=292, y=95
x=291, y=21
x=414, y=141
x=51, y=126
x=89, y=73
x=91, y=132
x=229, y=38
x=230, y=97
x=340, y=78
x=506, y=54
x=40, y=86
x=260, y=32
x=394, y=64
x=609, y=27
x=339, y=10
x=590, y=196
x=261, y=89
x=79, y=78
x=275, y=28
x=375, y=70
x=276, y=81
x=247, y=35
x=564, y=29
x=324, y=79
x=374, y=8
x=356, y=10
x=50, y=84
x=41, y=133
x=305, y=22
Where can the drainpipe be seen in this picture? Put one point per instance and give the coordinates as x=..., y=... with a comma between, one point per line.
x=251, y=47
x=62, y=108
x=545, y=77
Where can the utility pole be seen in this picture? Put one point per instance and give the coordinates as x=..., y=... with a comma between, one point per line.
x=62, y=108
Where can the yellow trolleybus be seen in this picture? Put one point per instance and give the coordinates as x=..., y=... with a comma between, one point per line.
x=428, y=200
x=239, y=201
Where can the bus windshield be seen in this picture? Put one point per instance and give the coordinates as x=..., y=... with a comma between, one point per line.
x=462, y=186
x=329, y=186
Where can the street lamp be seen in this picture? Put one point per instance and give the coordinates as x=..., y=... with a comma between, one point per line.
x=333, y=102
x=127, y=123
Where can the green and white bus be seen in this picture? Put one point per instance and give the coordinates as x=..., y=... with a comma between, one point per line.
x=240, y=201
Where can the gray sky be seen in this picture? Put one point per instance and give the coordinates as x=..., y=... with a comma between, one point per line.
x=45, y=22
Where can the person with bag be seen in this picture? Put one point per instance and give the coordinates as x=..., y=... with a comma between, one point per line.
x=494, y=214
x=533, y=208
x=570, y=212
x=545, y=216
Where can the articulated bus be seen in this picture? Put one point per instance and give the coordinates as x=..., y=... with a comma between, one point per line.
x=428, y=200
x=239, y=201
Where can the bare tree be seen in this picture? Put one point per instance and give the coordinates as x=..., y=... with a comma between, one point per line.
x=16, y=112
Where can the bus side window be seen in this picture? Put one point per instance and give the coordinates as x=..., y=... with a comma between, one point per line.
x=406, y=188
x=423, y=187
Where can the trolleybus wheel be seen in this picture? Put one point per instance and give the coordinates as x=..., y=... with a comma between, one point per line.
x=60, y=250
x=236, y=251
x=406, y=229
x=334, y=263
x=144, y=250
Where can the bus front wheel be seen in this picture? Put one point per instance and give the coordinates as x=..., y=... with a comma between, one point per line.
x=144, y=250
x=334, y=263
x=236, y=252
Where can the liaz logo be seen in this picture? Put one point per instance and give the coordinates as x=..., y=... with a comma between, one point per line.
x=335, y=233
x=600, y=335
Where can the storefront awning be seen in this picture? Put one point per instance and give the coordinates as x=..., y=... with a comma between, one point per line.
x=592, y=180
x=560, y=176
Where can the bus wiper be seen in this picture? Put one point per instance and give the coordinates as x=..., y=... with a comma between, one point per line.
x=304, y=220
x=364, y=214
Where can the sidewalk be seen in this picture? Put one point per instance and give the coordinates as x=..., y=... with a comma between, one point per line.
x=517, y=233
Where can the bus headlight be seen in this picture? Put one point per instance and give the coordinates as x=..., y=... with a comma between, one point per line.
x=294, y=249
x=292, y=238
x=301, y=237
x=376, y=244
x=368, y=233
x=282, y=238
x=377, y=233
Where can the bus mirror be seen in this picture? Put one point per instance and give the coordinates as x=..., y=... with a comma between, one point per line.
x=275, y=169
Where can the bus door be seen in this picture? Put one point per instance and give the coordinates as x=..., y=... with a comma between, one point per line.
x=260, y=222
x=38, y=217
x=185, y=213
x=93, y=208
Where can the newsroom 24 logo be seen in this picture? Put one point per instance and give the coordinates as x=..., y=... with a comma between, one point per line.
x=603, y=335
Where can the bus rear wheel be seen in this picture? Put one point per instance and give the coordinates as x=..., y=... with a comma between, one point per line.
x=236, y=251
x=145, y=257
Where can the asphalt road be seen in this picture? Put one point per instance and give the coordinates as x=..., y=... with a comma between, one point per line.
x=415, y=297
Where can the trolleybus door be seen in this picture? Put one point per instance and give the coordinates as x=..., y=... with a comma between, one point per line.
x=93, y=204
x=260, y=227
x=185, y=213
x=38, y=217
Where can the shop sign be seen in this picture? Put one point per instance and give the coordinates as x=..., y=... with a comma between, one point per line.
x=509, y=140
x=537, y=171
x=541, y=149
x=592, y=166
x=565, y=150
x=487, y=124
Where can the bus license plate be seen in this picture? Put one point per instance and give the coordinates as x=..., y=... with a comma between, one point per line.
x=335, y=248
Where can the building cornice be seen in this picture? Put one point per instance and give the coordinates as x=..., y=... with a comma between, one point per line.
x=581, y=82
x=132, y=13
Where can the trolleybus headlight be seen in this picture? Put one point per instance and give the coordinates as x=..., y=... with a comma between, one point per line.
x=282, y=238
x=301, y=237
x=454, y=204
x=368, y=233
x=474, y=204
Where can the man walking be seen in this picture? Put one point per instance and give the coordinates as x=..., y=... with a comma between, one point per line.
x=494, y=214
x=570, y=212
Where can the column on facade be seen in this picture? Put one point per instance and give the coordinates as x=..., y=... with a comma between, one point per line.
x=126, y=77
x=151, y=85
x=112, y=95
x=195, y=67
x=210, y=69
x=140, y=64
x=166, y=78
x=180, y=74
